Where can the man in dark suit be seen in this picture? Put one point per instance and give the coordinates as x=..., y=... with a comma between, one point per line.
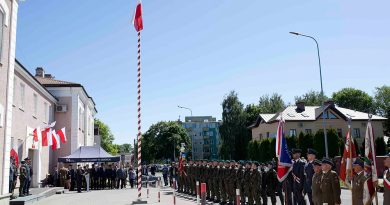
x=309, y=172
x=92, y=174
x=72, y=174
x=102, y=178
x=298, y=174
x=79, y=178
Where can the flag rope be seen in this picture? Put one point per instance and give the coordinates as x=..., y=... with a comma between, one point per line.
x=139, y=116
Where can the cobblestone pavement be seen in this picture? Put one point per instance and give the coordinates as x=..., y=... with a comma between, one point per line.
x=127, y=196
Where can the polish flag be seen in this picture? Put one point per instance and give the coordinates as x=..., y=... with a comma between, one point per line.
x=137, y=18
x=37, y=134
x=56, y=141
x=14, y=154
x=46, y=137
x=62, y=135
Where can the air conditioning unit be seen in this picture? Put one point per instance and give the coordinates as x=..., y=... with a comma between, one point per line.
x=61, y=108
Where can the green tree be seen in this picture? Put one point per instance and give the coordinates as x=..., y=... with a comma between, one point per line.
x=254, y=150
x=106, y=137
x=273, y=147
x=292, y=142
x=271, y=104
x=319, y=143
x=382, y=104
x=265, y=154
x=252, y=112
x=125, y=148
x=311, y=98
x=234, y=133
x=305, y=141
x=380, y=146
x=354, y=99
x=333, y=143
x=162, y=140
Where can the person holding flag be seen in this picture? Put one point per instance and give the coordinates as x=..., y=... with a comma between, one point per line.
x=285, y=164
x=349, y=155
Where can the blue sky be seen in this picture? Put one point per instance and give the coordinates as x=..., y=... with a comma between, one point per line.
x=195, y=52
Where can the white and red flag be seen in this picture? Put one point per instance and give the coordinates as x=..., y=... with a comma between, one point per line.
x=370, y=165
x=62, y=135
x=14, y=154
x=56, y=141
x=137, y=18
x=37, y=134
x=46, y=135
x=349, y=156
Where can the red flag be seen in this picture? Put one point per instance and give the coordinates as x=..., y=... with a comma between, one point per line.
x=14, y=154
x=284, y=160
x=62, y=135
x=46, y=137
x=137, y=18
x=346, y=162
x=56, y=141
x=37, y=134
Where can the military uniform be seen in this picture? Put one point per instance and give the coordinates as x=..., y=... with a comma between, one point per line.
x=357, y=188
x=309, y=172
x=316, y=185
x=298, y=175
x=330, y=186
x=272, y=184
x=256, y=186
x=22, y=178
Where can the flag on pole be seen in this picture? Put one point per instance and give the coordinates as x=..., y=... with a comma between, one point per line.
x=284, y=159
x=14, y=154
x=55, y=140
x=349, y=156
x=37, y=134
x=370, y=169
x=137, y=18
x=47, y=137
x=62, y=135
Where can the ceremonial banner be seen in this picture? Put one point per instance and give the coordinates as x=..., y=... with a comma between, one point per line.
x=284, y=159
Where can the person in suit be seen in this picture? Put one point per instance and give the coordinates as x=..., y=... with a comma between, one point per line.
x=309, y=172
x=298, y=174
x=79, y=178
x=330, y=184
x=316, y=183
x=358, y=182
x=386, y=181
x=92, y=173
x=108, y=174
x=72, y=174
x=101, y=175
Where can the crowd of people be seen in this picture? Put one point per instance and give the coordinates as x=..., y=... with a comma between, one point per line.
x=97, y=177
x=257, y=182
x=25, y=173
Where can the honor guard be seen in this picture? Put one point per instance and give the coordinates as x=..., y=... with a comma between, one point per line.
x=330, y=185
x=316, y=183
x=309, y=172
x=358, y=181
x=298, y=174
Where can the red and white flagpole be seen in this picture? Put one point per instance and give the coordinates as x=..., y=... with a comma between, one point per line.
x=139, y=115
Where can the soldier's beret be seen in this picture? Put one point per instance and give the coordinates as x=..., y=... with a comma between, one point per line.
x=327, y=161
x=232, y=161
x=294, y=151
x=311, y=151
x=358, y=162
x=317, y=162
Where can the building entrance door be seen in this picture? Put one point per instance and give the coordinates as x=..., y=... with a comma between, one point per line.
x=33, y=154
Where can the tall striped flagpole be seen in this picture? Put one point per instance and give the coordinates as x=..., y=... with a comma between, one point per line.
x=139, y=117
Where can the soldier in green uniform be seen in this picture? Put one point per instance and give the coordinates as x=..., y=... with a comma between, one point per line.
x=215, y=183
x=316, y=183
x=358, y=182
x=256, y=183
x=22, y=178
x=330, y=185
x=272, y=183
x=221, y=176
x=231, y=181
x=247, y=178
x=240, y=181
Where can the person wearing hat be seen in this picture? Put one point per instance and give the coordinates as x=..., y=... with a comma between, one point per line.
x=272, y=183
x=386, y=180
x=29, y=174
x=316, y=183
x=358, y=182
x=330, y=185
x=22, y=178
x=298, y=174
x=309, y=172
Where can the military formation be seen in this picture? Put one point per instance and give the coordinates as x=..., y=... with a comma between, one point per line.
x=311, y=181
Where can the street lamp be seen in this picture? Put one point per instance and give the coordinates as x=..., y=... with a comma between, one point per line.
x=185, y=108
x=322, y=90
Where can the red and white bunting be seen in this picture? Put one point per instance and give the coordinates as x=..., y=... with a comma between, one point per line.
x=62, y=135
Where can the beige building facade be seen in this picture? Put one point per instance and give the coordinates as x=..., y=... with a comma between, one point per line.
x=8, y=21
x=308, y=119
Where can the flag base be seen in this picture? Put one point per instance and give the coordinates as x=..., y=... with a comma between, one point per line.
x=140, y=201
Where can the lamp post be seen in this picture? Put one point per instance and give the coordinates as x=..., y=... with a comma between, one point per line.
x=185, y=108
x=322, y=91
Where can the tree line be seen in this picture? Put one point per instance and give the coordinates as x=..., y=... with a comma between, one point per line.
x=236, y=118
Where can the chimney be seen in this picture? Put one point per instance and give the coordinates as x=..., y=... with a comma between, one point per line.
x=300, y=106
x=329, y=102
x=39, y=72
x=49, y=76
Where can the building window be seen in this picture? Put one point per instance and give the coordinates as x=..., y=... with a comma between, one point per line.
x=308, y=131
x=46, y=112
x=340, y=133
x=293, y=132
x=356, y=132
x=329, y=115
x=35, y=105
x=267, y=134
x=22, y=100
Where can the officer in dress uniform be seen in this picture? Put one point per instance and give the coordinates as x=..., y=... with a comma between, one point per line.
x=272, y=183
x=316, y=183
x=386, y=181
x=358, y=182
x=330, y=185
x=22, y=178
x=309, y=172
x=298, y=174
